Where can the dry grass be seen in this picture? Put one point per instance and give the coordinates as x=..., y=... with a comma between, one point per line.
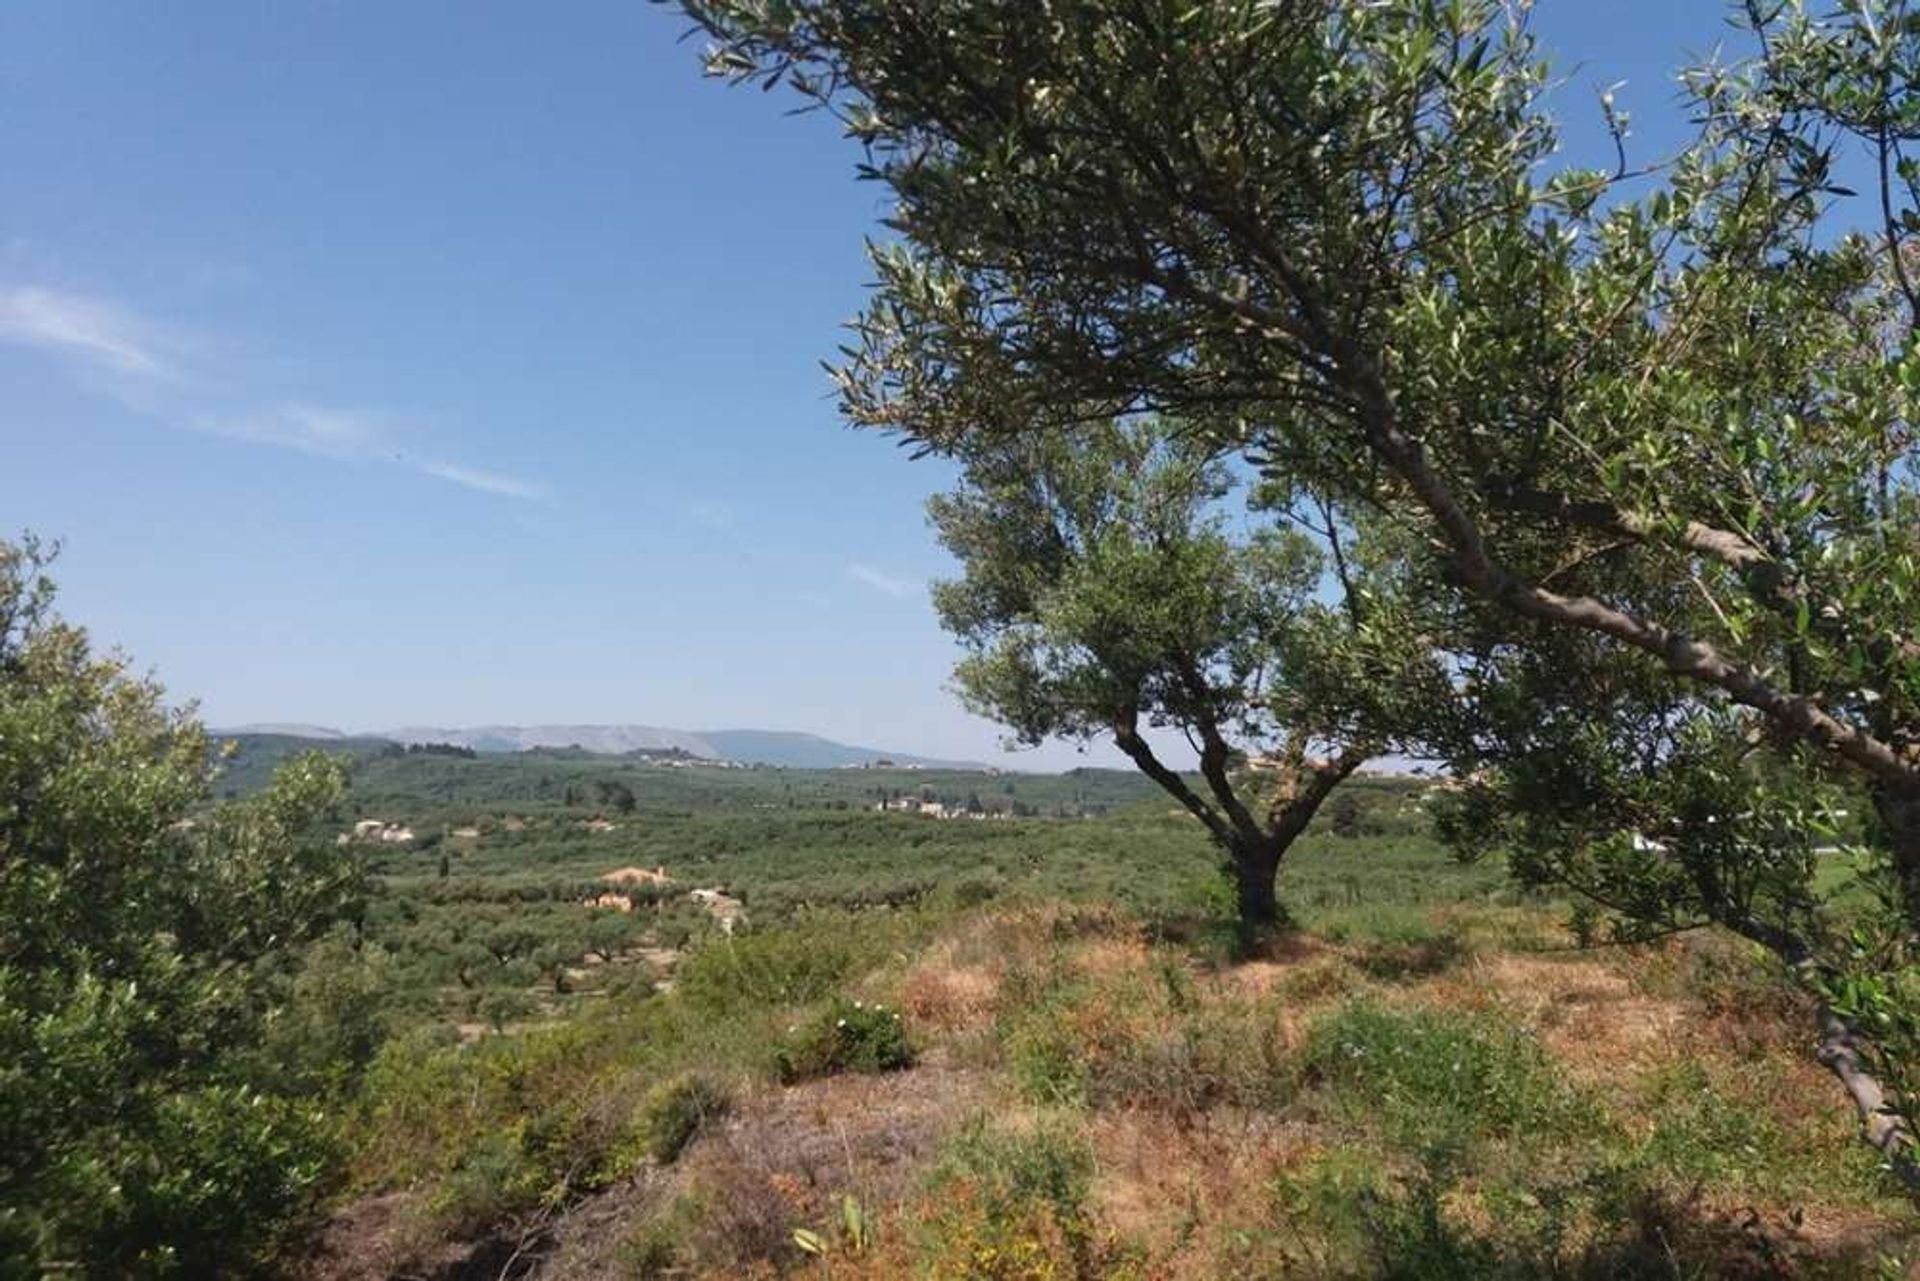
x=1644, y=1112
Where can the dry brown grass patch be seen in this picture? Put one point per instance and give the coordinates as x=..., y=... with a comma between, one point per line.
x=950, y=998
x=1589, y=1014
x=1110, y=958
x=1170, y=1187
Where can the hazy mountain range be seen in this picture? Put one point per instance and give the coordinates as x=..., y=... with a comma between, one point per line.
x=752, y=746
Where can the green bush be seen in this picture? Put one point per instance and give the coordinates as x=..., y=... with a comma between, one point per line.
x=543, y=1157
x=1012, y=1203
x=777, y=967
x=1046, y=1058
x=1051, y=1163
x=494, y=1179
x=1042, y=1048
x=674, y=1111
x=151, y=1118
x=848, y=1036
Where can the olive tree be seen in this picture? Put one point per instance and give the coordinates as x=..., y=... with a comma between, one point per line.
x=154, y=1116
x=1111, y=586
x=1670, y=419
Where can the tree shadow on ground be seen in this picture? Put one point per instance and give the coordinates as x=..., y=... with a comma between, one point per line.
x=1656, y=1236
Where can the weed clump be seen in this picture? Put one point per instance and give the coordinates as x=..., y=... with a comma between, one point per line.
x=848, y=1036
x=674, y=1112
x=1433, y=1080
x=1011, y=1203
x=493, y=1180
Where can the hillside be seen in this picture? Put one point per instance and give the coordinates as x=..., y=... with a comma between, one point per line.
x=785, y=748
x=811, y=751
x=1026, y=1048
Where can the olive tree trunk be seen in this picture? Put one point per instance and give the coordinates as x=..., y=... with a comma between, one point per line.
x=1256, y=866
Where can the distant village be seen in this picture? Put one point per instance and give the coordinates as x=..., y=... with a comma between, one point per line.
x=975, y=807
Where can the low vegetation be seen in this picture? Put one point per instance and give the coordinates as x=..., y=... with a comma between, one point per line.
x=1453, y=1090
x=970, y=1059
x=1300, y=403
x=1031, y=1046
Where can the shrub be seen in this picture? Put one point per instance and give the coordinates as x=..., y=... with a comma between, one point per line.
x=801, y=962
x=739, y=1220
x=150, y=1121
x=1051, y=1163
x=543, y=1157
x=1011, y=1204
x=772, y=968
x=674, y=1111
x=653, y=1244
x=1045, y=1048
x=1232, y=1053
x=494, y=1179
x=235, y=1185
x=959, y=1237
x=849, y=1036
x=1046, y=1056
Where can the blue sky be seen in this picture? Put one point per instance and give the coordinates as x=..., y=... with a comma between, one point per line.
x=453, y=363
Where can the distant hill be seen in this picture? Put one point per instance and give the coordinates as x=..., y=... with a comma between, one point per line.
x=609, y=740
x=808, y=751
x=258, y=750
x=750, y=746
x=287, y=730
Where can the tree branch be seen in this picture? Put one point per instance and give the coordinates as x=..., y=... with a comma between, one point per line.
x=1215, y=753
x=1683, y=656
x=1840, y=1053
x=1307, y=787
x=1126, y=736
x=1766, y=578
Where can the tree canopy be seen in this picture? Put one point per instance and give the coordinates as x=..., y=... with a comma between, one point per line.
x=1653, y=422
x=154, y=1117
x=1112, y=587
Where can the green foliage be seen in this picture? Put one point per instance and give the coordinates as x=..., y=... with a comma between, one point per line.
x=1101, y=580
x=226, y=1179
x=615, y=795
x=1046, y=1059
x=674, y=1112
x=1010, y=1170
x=1433, y=1082
x=1400, y=1233
x=1651, y=442
x=779, y=967
x=1110, y=582
x=847, y=1036
x=493, y=1181
x=332, y=1020
x=156, y=1017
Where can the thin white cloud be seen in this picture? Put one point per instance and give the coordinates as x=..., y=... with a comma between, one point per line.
x=899, y=588
x=139, y=362
x=92, y=330
x=327, y=432
x=715, y=516
x=486, y=482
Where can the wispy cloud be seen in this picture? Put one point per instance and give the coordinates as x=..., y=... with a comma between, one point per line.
x=486, y=482
x=704, y=511
x=142, y=364
x=899, y=588
x=321, y=430
x=93, y=330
